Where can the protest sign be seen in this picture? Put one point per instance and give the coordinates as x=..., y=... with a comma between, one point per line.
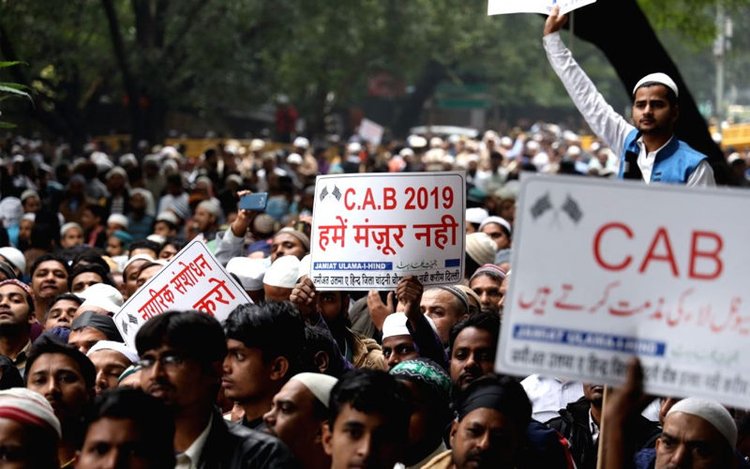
x=370, y=230
x=605, y=270
x=501, y=7
x=193, y=280
x=371, y=131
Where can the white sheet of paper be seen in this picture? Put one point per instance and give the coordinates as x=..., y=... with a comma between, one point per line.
x=503, y=7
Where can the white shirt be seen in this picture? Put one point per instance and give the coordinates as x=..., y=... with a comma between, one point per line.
x=549, y=395
x=609, y=125
x=189, y=459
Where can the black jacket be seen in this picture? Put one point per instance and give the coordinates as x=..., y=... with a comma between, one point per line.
x=232, y=446
x=573, y=424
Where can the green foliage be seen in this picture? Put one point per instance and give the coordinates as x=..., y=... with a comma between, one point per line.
x=11, y=90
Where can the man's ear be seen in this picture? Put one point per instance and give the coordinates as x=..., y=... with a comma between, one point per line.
x=319, y=433
x=327, y=438
x=321, y=361
x=454, y=429
x=279, y=368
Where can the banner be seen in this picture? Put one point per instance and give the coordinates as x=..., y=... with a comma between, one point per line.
x=604, y=270
x=193, y=280
x=370, y=230
x=371, y=131
x=501, y=7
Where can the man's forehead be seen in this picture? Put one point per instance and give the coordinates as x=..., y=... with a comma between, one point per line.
x=295, y=391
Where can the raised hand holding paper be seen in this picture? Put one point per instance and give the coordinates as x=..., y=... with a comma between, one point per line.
x=500, y=7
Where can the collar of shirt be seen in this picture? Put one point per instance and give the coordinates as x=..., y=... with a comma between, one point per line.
x=189, y=459
x=20, y=360
x=646, y=159
x=594, y=428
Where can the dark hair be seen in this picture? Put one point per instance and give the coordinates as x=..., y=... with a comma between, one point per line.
x=172, y=241
x=489, y=322
x=195, y=334
x=46, y=344
x=93, y=268
x=153, y=421
x=373, y=392
x=90, y=256
x=64, y=296
x=97, y=210
x=49, y=257
x=276, y=328
x=503, y=393
x=319, y=339
x=145, y=244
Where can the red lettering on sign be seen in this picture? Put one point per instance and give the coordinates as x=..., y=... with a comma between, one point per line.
x=347, y=204
x=711, y=255
x=668, y=256
x=369, y=202
x=597, y=245
x=389, y=198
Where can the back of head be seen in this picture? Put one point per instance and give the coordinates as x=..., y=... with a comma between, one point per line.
x=196, y=335
x=153, y=422
x=372, y=392
x=319, y=340
x=276, y=328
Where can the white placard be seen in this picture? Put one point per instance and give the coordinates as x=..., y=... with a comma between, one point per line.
x=603, y=270
x=370, y=230
x=371, y=131
x=502, y=7
x=193, y=280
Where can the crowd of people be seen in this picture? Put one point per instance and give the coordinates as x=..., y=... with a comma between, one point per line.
x=301, y=377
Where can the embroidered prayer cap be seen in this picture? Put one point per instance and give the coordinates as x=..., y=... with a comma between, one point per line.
x=250, y=272
x=103, y=296
x=395, y=324
x=126, y=351
x=119, y=219
x=28, y=408
x=481, y=248
x=712, y=412
x=14, y=257
x=302, y=237
x=489, y=269
x=318, y=384
x=476, y=215
x=283, y=272
x=498, y=221
x=475, y=303
x=427, y=372
x=660, y=78
x=22, y=286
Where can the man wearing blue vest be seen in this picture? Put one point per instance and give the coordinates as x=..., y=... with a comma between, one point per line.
x=649, y=151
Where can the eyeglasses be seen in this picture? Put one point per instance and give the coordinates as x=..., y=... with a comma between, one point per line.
x=168, y=361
